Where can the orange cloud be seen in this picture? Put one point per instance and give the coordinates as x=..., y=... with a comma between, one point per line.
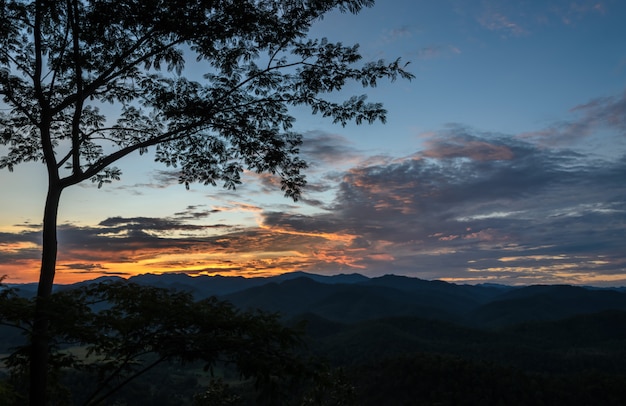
x=262, y=251
x=381, y=257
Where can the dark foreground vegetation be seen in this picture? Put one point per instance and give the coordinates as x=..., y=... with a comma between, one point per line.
x=345, y=340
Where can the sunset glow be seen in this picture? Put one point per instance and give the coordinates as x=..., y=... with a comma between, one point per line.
x=503, y=161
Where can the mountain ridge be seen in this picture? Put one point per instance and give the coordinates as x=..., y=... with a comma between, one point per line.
x=349, y=298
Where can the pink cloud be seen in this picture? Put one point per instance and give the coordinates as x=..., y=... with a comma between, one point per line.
x=458, y=147
x=605, y=112
x=488, y=235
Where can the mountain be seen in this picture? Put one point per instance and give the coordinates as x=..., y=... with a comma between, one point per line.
x=351, y=302
x=545, y=303
x=583, y=343
x=330, y=279
x=584, y=330
x=395, y=296
x=204, y=286
x=201, y=286
x=350, y=298
x=399, y=339
x=440, y=289
x=368, y=340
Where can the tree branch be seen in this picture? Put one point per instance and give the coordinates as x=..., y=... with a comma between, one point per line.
x=104, y=162
x=72, y=10
x=92, y=401
x=116, y=69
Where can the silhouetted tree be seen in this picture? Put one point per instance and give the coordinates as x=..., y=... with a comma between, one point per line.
x=62, y=61
x=125, y=330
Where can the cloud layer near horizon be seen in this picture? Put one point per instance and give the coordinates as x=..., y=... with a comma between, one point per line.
x=468, y=207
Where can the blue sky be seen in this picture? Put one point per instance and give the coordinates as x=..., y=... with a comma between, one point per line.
x=503, y=161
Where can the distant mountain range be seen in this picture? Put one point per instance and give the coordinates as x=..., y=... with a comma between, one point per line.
x=484, y=344
x=349, y=298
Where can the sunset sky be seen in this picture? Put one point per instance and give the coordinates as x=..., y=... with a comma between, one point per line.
x=503, y=161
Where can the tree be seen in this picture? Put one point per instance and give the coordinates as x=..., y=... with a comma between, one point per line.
x=125, y=330
x=62, y=61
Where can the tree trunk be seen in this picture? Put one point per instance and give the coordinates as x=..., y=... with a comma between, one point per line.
x=40, y=338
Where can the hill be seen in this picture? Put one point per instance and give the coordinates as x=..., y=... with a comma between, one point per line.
x=352, y=297
x=398, y=339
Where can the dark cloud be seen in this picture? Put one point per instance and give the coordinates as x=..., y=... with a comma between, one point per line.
x=82, y=266
x=470, y=207
x=303, y=223
x=460, y=144
x=326, y=148
x=161, y=179
x=468, y=200
x=19, y=246
x=33, y=235
x=194, y=213
x=147, y=223
x=313, y=202
x=166, y=178
x=115, y=239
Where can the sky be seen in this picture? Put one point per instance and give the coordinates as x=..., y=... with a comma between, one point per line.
x=502, y=161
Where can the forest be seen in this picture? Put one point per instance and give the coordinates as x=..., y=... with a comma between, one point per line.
x=372, y=341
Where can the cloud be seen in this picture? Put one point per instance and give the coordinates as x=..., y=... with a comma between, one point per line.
x=437, y=51
x=164, y=178
x=451, y=210
x=328, y=149
x=396, y=34
x=608, y=111
x=195, y=212
x=572, y=12
x=495, y=21
x=145, y=223
x=464, y=146
x=82, y=267
x=161, y=179
x=517, y=19
x=471, y=206
x=596, y=117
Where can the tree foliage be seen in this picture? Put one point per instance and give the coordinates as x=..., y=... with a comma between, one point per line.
x=115, y=332
x=85, y=83
x=63, y=64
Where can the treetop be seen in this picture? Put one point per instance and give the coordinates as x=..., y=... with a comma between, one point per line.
x=62, y=62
